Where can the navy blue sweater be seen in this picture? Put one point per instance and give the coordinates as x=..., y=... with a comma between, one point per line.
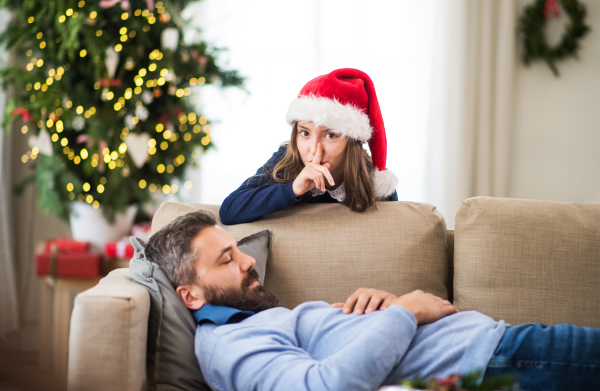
x=260, y=195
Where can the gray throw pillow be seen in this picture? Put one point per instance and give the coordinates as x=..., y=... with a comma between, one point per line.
x=171, y=361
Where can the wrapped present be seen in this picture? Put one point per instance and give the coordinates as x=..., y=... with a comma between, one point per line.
x=124, y=249
x=66, y=245
x=142, y=231
x=68, y=264
x=120, y=249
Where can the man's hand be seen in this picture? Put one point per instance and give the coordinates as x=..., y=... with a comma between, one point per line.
x=426, y=307
x=366, y=300
x=313, y=175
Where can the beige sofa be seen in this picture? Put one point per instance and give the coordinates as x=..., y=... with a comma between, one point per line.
x=517, y=260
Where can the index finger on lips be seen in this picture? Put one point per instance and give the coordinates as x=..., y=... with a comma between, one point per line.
x=318, y=155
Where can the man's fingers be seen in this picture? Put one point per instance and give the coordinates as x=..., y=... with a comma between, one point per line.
x=361, y=304
x=374, y=304
x=386, y=303
x=448, y=309
x=349, y=304
x=453, y=309
x=337, y=305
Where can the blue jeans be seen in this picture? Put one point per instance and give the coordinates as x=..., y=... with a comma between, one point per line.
x=561, y=357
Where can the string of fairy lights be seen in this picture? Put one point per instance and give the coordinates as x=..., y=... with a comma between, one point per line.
x=148, y=81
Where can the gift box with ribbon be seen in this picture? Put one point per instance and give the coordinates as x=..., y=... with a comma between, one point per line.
x=120, y=249
x=123, y=249
x=67, y=258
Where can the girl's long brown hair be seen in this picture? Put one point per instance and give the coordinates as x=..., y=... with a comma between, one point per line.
x=357, y=181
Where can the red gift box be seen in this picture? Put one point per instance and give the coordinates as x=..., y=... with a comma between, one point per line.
x=79, y=265
x=121, y=249
x=66, y=245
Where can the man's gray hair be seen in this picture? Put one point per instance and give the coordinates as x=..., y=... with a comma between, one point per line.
x=171, y=247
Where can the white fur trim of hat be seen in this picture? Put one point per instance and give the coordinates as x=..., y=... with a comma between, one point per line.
x=339, y=118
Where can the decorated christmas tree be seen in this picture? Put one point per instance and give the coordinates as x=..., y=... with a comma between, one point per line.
x=103, y=90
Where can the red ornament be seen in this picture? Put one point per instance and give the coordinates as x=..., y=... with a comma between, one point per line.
x=551, y=8
x=23, y=112
x=164, y=118
x=110, y=82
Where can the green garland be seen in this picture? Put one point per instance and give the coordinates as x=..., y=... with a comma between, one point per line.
x=467, y=382
x=531, y=29
x=93, y=80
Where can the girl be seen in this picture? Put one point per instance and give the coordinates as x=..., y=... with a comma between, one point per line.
x=324, y=161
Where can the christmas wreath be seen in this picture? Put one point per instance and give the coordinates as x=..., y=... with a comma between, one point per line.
x=531, y=29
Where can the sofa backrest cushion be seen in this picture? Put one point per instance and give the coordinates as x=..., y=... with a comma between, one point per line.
x=171, y=361
x=325, y=251
x=528, y=261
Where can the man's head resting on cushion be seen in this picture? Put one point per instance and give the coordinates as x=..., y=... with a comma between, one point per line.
x=205, y=265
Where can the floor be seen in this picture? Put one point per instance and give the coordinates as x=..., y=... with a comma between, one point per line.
x=19, y=371
x=19, y=361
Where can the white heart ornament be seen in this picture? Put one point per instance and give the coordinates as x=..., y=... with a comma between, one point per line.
x=42, y=142
x=169, y=38
x=137, y=146
x=111, y=61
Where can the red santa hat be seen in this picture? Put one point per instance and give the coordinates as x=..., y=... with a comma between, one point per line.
x=345, y=102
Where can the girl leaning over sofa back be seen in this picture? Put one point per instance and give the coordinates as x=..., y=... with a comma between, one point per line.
x=324, y=161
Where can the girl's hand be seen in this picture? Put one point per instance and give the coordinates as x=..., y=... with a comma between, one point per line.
x=366, y=301
x=313, y=175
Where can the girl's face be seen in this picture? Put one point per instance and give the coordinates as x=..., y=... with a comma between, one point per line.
x=333, y=147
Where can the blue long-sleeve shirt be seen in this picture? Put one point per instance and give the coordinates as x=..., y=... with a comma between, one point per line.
x=259, y=195
x=316, y=347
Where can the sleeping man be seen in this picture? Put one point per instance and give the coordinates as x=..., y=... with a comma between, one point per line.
x=244, y=341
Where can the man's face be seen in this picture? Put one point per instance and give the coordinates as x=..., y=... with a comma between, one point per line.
x=226, y=276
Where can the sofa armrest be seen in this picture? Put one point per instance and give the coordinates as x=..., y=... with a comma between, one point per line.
x=107, y=341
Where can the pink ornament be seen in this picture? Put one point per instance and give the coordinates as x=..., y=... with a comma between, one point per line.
x=111, y=3
x=84, y=138
x=202, y=60
x=23, y=112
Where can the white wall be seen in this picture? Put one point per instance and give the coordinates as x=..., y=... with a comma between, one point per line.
x=280, y=46
x=556, y=146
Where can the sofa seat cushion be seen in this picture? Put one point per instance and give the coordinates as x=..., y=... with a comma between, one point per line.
x=325, y=251
x=528, y=261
